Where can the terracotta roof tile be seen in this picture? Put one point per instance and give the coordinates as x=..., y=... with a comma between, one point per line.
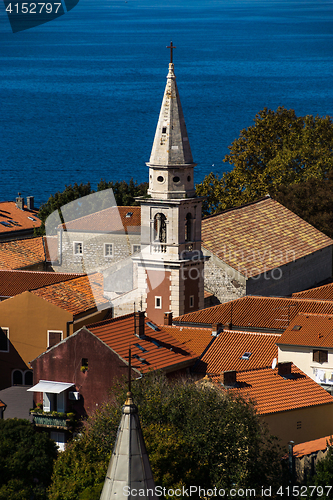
x=19, y=254
x=309, y=330
x=15, y=282
x=256, y=312
x=226, y=352
x=260, y=236
x=13, y=218
x=113, y=219
x=324, y=292
x=195, y=339
x=2, y=404
x=302, y=449
x=273, y=393
x=77, y=295
x=157, y=350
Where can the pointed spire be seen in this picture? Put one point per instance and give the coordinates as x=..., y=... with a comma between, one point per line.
x=171, y=147
x=129, y=467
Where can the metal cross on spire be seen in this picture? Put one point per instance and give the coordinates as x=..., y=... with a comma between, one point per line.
x=171, y=47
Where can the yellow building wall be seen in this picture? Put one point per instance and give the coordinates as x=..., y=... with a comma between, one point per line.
x=315, y=422
x=29, y=318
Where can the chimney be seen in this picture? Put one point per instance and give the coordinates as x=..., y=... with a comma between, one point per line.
x=20, y=202
x=168, y=318
x=284, y=368
x=229, y=379
x=30, y=202
x=216, y=328
x=139, y=324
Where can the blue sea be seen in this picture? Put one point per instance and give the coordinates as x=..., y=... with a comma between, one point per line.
x=80, y=95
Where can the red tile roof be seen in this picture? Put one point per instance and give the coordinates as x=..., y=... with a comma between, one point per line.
x=260, y=236
x=309, y=330
x=19, y=254
x=273, y=393
x=195, y=339
x=15, y=282
x=324, y=292
x=302, y=449
x=77, y=295
x=14, y=219
x=159, y=349
x=111, y=219
x=256, y=312
x=2, y=404
x=226, y=352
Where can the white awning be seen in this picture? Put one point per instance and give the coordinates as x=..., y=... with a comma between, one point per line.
x=50, y=386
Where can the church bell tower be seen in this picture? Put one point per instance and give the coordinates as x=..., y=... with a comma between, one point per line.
x=170, y=269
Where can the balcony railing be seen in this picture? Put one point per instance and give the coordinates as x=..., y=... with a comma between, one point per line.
x=53, y=419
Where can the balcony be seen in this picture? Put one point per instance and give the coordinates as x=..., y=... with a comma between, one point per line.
x=53, y=420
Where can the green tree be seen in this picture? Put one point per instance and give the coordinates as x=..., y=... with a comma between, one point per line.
x=125, y=193
x=280, y=148
x=323, y=479
x=26, y=461
x=195, y=433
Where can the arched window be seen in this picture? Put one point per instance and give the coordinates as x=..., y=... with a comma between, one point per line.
x=17, y=377
x=160, y=230
x=28, y=378
x=188, y=227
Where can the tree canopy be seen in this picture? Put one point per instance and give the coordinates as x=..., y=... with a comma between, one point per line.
x=195, y=433
x=26, y=461
x=280, y=148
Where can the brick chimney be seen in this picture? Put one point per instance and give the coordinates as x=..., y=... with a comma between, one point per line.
x=284, y=368
x=168, y=318
x=229, y=379
x=20, y=202
x=216, y=328
x=139, y=324
x=30, y=202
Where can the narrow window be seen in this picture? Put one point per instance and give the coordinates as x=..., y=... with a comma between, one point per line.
x=78, y=248
x=4, y=335
x=158, y=302
x=191, y=300
x=53, y=338
x=188, y=227
x=84, y=362
x=136, y=248
x=164, y=129
x=299, y=425
x=108, y=249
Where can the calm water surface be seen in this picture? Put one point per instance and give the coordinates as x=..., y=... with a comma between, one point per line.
x=80, y=95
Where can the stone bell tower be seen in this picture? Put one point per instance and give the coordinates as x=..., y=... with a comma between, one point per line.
x=170, y=269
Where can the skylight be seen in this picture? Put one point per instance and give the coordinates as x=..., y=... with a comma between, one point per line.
x=31, y=218
x=156, y=343
x=5, y=223
x=142, y=360
x=246, y=355
x=296, y=327
x=129, y=214
x=141, y=347
x=152, y=326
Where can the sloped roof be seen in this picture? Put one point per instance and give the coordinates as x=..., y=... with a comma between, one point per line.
x=76, y=295
x=13, y=218
x=226, y=352
x=159, y=349
x=113, y=219
x=19, y=254
x=273, y=393
x=195, y=339
x=324, y=292
x=260, y=236
x=256, y=312
x=309, y=330
x=302, y=449
x=13, y=282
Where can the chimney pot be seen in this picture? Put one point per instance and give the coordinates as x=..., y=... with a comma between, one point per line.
x=168, y=318
x=139, y=324
x=284, y=368
x=20, y=202
x=229, y=378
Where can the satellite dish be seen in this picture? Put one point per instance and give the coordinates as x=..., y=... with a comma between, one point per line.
x=274, y=363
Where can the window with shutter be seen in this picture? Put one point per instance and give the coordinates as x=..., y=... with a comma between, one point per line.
x=320, y=356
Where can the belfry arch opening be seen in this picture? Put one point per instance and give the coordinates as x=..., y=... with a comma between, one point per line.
x=160, y=230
